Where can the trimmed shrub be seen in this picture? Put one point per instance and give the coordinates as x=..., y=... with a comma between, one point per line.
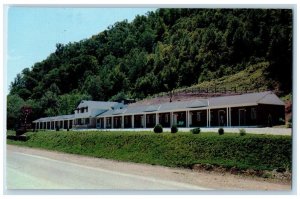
x=221, y=131
x=242, y=132
x=174, y=129
x=195, y=131
x=158, y=128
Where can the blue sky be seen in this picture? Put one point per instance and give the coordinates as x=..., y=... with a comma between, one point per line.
x=33, y=32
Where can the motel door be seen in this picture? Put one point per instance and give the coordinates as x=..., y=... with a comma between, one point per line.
x=222, y=118
x=242, y=117
x=175, y=119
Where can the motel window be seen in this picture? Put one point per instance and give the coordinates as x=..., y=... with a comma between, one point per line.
x=253, y=113
x=198, y=116
x=82, y=110
x=87, y=120
x=166, y=118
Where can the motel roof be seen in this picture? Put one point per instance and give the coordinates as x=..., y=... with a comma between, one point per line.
x=246, y=99
x=55, y=118
x=214, y=102
x=249, y=99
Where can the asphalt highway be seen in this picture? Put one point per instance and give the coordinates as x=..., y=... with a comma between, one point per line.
x=27, y=171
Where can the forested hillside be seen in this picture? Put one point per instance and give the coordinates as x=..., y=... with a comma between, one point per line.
x=164, y=50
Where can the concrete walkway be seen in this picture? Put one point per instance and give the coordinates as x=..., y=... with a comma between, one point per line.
x=265, y=130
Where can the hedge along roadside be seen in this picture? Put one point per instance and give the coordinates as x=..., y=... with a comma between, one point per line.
x=262, y=152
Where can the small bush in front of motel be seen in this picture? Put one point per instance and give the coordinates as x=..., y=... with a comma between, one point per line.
x=221, y=131
x=174, y=129
x=195, y=131
x=158, y=128
x=242, y=132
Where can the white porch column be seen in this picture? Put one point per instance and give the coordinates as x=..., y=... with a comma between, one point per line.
x=156, y=118
x=112, y=122
x=230, y=116
x=171, y=119
x=104, y=122
x=227, y=116
x=187, y=119
x=208, y=117
x=122, y=121
x=145, y=120
x=132, y=121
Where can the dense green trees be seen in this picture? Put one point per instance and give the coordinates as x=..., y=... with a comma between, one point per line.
x=165, y=49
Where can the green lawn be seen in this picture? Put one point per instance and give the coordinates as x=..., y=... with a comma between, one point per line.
x=183, y=149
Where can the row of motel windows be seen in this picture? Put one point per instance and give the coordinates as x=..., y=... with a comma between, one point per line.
x=153, y=118
x=253, y=117
x=82, y=121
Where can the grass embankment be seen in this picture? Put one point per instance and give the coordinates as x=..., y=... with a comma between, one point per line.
x=261, y=152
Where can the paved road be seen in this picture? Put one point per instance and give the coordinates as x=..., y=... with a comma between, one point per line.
x=29, y=168
x=26, y=171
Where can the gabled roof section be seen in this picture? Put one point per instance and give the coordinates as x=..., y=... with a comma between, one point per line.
x=97, y=104
x=271, y=98
x=245, y=99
